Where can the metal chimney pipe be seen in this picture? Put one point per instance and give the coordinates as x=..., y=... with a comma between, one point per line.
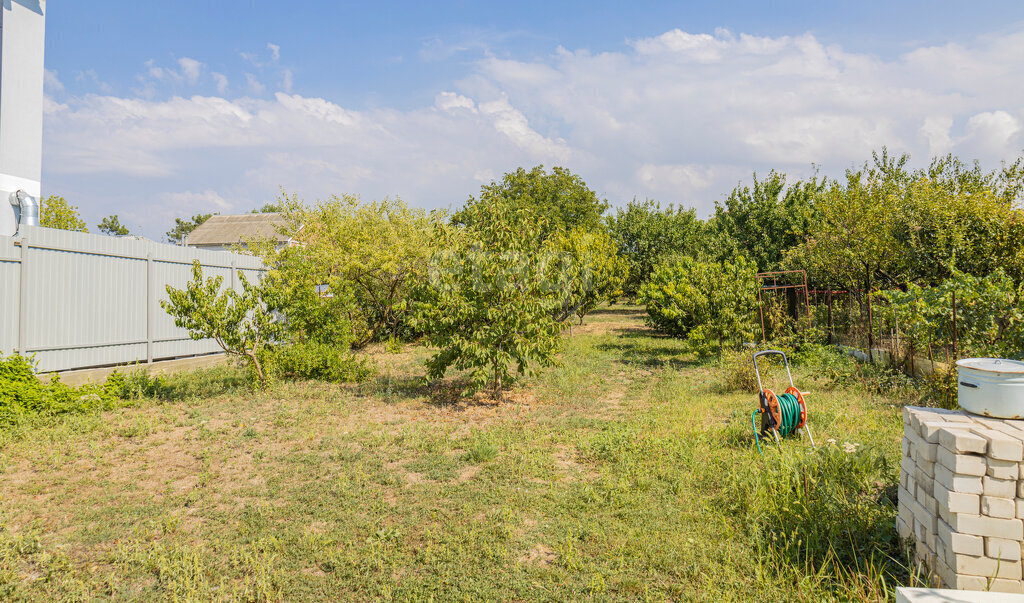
x=29, y=209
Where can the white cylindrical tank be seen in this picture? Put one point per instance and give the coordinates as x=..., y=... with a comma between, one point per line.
x=993, y=387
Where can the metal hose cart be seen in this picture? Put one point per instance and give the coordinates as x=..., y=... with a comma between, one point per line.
x=781, y=414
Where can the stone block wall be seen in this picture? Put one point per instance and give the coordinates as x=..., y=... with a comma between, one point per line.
x=961, y=497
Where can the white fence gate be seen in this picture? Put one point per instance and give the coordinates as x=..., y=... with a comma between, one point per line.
x=77, y=300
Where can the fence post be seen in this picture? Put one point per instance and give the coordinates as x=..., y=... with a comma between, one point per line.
x=831, y=327
x=234, y=276
x=23, y=304
x=956, y=338
x=149, y=308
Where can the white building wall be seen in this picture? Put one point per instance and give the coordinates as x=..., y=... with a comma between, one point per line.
x=22, y=29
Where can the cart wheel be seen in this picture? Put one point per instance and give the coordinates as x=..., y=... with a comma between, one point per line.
x=803, y=405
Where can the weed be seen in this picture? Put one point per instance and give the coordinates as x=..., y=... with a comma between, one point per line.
x=481, y=453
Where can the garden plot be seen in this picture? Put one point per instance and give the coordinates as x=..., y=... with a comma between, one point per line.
x=626, y=471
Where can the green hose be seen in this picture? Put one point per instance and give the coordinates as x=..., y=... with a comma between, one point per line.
x=790, y=410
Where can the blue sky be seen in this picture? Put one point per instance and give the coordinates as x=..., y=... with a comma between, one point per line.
x=159, y=109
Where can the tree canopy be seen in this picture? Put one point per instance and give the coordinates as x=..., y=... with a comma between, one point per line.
x=562, y=197
x=56, y=212
x=111, y=225
x=182, y=228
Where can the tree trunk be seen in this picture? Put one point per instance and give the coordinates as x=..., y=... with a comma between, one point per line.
x=871, y=322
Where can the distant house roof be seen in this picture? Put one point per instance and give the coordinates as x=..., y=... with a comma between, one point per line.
x=231, y=230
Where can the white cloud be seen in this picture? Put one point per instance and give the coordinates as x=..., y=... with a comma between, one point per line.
x=254, y=84
x=680, y=117
x=275, y=51
x=190, y=69
x=51, y=82
x=190, y=201
x=221, y=81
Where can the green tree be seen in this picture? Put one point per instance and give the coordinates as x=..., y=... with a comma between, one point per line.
x=646, y=234
x=710, y=304
x=181, y=228
x=56, y=212
x=489, y=305
x=112, y=226
x=373, y=251
x=770, y=218
x=238, y=322
x=560, y=196
x=270, y=208
x=594, y=271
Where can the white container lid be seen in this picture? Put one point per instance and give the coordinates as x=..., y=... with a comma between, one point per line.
x=992, y=365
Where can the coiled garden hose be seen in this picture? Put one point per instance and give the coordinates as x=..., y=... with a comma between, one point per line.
x=786, y=413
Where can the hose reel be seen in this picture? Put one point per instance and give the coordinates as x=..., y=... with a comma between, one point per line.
x=781, y=414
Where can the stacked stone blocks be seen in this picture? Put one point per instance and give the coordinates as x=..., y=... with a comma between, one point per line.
x=961, y=497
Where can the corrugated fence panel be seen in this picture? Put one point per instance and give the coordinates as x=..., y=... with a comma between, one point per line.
x=95, y=300
x=10, y=267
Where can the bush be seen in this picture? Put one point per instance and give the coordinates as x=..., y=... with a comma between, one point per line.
x=736, y=371
x=594, y=271
x=23, y=393
x=366, y=257
x=318, y=361
x=710, y=304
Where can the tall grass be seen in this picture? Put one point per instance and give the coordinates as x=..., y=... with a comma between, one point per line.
x=823, y=520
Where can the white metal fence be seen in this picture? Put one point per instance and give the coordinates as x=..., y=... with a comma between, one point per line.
x=78, y=300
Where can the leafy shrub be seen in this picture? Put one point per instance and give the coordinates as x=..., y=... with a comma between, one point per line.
x=596, y=273
x=23, y=393
x=318, y=361
x=990, y=319
x=369, y=256
x=710, y=304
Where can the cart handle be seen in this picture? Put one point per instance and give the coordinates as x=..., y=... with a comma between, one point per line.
x=767, y=353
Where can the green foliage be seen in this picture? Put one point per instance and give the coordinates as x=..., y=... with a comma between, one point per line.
x=593, y=271
x=22, y=393
x=767, y=220
x=195, y=384
x=646, y=235
x=710, y=304
x=561, y=197
x=313, y=311
x=736, y=371
x=990, y=316
x=319, y=361
x=112, y=226
x=490, y=302
x=889, y=226
x=238, y=322
x=56, y=212
x=832, y=508
x=369, y=256
x=182, y=228
x=270, y=208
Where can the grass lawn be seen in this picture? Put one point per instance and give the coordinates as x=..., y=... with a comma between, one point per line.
x=619, y=474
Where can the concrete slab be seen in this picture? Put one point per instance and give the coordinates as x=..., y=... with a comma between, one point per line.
x=99, y=375
x=935, y=595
